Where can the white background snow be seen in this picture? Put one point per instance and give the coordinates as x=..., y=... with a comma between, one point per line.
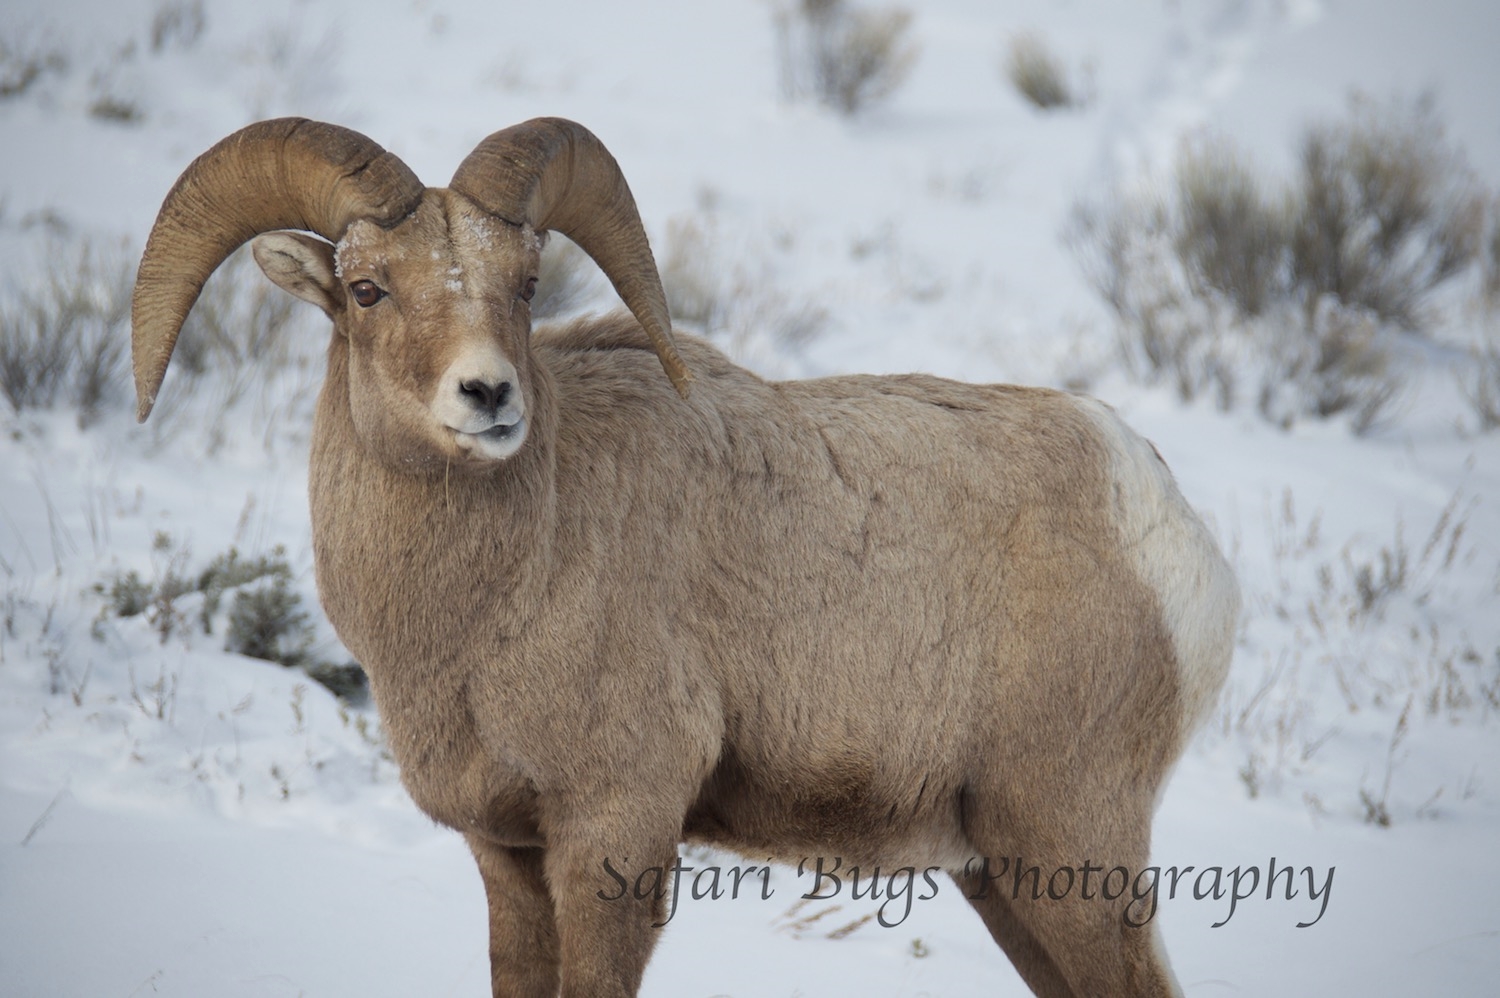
x=178, y=820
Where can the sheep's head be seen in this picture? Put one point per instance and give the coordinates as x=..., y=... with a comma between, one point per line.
x=428, y=287
x=435, y=315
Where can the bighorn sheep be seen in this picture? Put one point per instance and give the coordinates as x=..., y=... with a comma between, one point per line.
x=895, y=620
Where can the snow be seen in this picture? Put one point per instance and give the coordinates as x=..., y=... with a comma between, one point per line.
x=176, y=819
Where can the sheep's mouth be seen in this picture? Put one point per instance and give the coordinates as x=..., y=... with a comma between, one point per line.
x=494, y=444
x=504, y=431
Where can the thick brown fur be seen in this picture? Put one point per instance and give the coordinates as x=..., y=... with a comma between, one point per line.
x=898, y=620
x=884, y=618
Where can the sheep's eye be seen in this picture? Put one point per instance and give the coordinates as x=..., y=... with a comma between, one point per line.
x=366, y=293
x=530, y=289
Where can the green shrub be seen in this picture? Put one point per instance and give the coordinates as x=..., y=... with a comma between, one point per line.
x=230, y=571
x=266, y=621
x=265, y=618
x=127, y=595
x=348, y=681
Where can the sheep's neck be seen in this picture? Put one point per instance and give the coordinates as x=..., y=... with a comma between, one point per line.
x=410, y=565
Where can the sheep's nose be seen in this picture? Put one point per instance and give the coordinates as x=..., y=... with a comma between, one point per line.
x=485, y=395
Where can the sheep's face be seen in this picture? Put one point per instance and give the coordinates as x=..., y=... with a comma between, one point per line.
x=435, y=316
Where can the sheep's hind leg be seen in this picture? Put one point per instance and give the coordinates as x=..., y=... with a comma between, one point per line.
x=1071, y=932
x=523, y=929
x=1026, y=954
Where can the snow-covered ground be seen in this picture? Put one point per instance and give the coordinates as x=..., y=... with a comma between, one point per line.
x=176, y=819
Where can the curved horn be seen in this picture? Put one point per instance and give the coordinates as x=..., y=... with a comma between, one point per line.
x=288, y=173
x=555, y=174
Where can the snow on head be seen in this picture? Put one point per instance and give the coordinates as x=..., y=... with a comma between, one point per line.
x=481, y=231
x=353, y=241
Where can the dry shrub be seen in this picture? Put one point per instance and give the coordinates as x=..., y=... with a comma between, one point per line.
x=240, y=323
x=737, y=304
x=25, y=58
x=566, y=278
x=111, y=107
x=845, y=57
x=689, y=275
x=177, y=24
x=1230, y=233
x=248, y=352
x=1341, y=364
x=1039, y=76
x=1480, y=385
x=1306, y=288
x=1491, y=261
x=62, y=340
x=1386, y=210
x=741, y=306
x=1168, y=331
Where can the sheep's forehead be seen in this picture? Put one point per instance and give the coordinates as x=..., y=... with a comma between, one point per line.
x=443, y=249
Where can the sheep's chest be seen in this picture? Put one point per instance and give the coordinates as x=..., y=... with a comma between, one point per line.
x=444, y=768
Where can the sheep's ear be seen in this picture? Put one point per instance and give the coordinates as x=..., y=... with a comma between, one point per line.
x=302, y=265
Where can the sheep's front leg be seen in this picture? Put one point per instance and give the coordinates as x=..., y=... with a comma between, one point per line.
x=608, y=915
x=523, y=928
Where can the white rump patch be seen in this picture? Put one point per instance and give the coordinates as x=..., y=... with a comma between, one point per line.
x=1177, y=557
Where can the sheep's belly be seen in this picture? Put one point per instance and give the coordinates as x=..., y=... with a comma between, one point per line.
x=858, y=822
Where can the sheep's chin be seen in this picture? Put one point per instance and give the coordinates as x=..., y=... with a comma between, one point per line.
x=495, y=444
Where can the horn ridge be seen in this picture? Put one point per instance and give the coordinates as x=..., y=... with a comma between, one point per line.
x=555, y=174
x=284, y=173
